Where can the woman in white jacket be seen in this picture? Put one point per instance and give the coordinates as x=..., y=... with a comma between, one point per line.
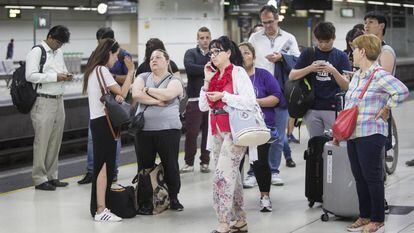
x=228, y=85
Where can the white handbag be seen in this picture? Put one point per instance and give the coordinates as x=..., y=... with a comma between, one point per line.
x=247, y=126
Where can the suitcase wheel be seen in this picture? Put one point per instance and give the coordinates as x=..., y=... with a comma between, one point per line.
x=325, y=217
x=311, y=203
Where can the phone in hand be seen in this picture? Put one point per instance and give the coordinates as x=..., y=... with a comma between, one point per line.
x=321, y=62
x=213, y=67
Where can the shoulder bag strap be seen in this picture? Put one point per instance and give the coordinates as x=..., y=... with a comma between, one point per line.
x=117, y=134
x=368, y=82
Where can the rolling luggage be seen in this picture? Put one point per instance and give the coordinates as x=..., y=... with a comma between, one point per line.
x=339, y=188
x=314, y=169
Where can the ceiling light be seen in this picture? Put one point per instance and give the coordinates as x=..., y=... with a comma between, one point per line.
x=375, y=3
x=81, y=8
x=20, y=7
x=356, y=1
x=102, y=8
x=54, y=8
x=408, y=5
x=316, y=11
x=393, y=4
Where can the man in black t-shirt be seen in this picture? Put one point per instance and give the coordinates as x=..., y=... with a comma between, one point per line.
x=325, y=73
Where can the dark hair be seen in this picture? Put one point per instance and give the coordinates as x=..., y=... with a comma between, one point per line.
x=226, y=44
x=351, y=35
x=99, y=57
x=167, y=57
x=269, y=8
x=380, y=17
x=250, y=47
x=324, y=31
x=12, y=40
x=359, y=26
x=104, y=33
x=151, y=45
x=60, y=33
x=254, y=28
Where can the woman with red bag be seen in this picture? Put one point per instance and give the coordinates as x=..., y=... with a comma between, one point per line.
x=365, y=145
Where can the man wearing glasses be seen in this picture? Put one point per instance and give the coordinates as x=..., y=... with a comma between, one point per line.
x=273, y=45
x=48, y=113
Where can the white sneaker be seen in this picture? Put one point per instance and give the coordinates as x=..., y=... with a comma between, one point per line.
x=187, y=168
x=204, y=168
x=107, y=216
x=276, y=180
x=265, y=204
x=249, y=182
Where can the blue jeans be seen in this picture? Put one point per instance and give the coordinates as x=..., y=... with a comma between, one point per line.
x=275, y=152
x=89, y=151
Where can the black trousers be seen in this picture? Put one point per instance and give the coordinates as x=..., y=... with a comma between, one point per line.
x=104, y=152
x=365, y=156
x=166, y=144
x=261, y=168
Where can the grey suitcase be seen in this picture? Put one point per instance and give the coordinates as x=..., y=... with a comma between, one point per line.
x=339, y=189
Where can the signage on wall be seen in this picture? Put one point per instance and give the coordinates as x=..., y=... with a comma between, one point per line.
x=14, y=13
x=42, y=21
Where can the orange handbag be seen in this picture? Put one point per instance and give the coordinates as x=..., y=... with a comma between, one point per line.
x=345, y=123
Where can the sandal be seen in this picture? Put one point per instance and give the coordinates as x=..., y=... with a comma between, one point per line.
x=358, y=225
x=216, y=231
x=378, y=227
x=240, y=229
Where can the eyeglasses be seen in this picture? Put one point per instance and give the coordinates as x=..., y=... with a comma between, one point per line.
x=268, y=22
x=59, y=43
x=215, y=52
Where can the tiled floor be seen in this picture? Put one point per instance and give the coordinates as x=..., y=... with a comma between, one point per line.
x=67, y=210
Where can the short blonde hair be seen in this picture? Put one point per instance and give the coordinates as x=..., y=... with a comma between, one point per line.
x=371, y=44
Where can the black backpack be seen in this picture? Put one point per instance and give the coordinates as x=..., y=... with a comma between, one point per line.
x=300, y=94
x=22, y=92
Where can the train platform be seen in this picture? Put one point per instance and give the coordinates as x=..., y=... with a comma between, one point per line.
x=28, y=210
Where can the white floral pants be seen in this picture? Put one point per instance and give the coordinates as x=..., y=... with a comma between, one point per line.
x=227, y=184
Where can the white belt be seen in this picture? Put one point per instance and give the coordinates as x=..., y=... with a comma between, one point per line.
x=193, y=99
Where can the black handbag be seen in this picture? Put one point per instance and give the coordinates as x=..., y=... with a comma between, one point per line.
x=118, y=113
x=121, y=201
x=137, y=122
x=151, y=191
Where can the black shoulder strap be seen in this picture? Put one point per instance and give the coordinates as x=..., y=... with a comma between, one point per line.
x=42, y=58
x=311, y=57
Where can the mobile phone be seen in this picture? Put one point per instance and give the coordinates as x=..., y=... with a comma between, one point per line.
x=320, y=62
x=213, y=67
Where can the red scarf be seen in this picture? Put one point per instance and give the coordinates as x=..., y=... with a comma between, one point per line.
x=224, y=84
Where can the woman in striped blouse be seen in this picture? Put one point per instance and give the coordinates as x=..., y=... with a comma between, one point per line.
x=367, y=142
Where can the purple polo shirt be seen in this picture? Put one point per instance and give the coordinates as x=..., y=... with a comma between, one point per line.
x=265, y=84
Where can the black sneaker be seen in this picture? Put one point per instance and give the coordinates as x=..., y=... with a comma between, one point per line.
x=410, y=163
x=87, y=179
x=58, y=183
x=176, y=205
x=290, y=163
x=46, y=187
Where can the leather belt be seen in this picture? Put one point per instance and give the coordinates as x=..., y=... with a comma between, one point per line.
x=218, y=111
x=49, y=96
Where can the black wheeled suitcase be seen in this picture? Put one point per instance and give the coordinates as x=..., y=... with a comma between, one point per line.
x=314, y=169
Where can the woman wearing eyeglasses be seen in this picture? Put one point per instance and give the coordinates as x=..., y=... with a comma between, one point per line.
x=104, y=144
x=226, y=83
